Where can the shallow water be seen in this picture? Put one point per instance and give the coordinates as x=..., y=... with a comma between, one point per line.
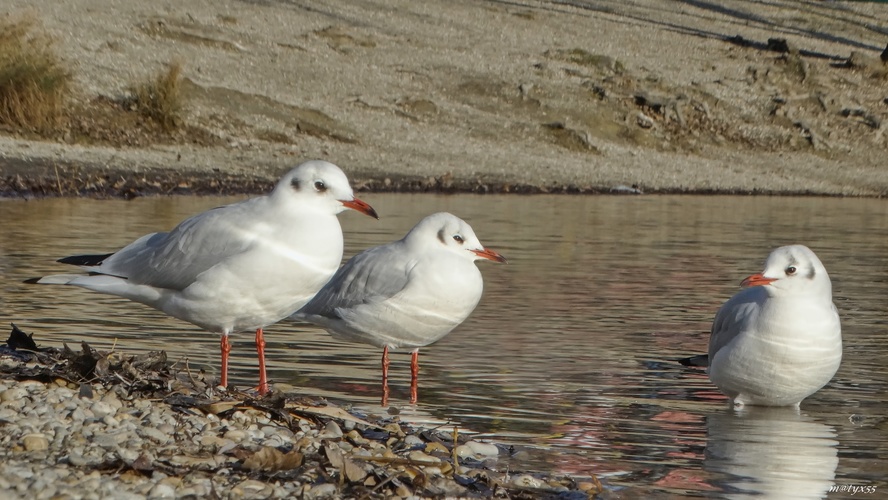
x=570, y=356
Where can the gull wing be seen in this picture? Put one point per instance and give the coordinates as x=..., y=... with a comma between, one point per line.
x=372, y=276
x=175, y=259
x=734, y=317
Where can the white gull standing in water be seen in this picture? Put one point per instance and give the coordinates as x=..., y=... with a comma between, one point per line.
x=239, y=267
x=778, y=341
x=408, y=293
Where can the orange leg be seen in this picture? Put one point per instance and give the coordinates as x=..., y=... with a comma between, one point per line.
x=385, y=376
x=414, y=376
x=260, y=350
x=226, y=349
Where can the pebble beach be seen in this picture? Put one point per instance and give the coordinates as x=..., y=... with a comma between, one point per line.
x=94, y=425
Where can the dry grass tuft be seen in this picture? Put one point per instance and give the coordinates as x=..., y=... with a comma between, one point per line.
x=160, y=98
x=34, y=83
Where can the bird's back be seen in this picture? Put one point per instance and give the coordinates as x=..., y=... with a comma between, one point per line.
x=387, y=296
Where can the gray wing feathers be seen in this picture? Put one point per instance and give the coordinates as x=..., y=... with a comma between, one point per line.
x=173, y=260
x=728, y=321
x=371, y=276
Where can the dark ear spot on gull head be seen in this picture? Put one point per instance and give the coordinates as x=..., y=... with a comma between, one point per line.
x=442, y=237
x=295, y=184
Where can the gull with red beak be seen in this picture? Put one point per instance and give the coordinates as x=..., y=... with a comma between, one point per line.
x=779, y=340
x=409, y=293
x=239, y=267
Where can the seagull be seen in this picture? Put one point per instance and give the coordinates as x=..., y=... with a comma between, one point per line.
x=408, y=293
x=239, y=267
x=779, y=340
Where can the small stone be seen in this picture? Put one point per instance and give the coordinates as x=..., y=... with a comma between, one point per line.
x=436, y=447
x=32, y=386
x=210, y=441
x=226, y=446
x=355, y=437
x=108, y=441
x=252, y=488
x=413, y=441
x=422, y=458
x=35, y=442
x=13, y=394
x=476, y=450
x=162, y=490
x=77, y=459
x=154, y=435
x=527, y=481
x=235, y=435
x=128, y=455
x=331, y=431
x=483, y=449
x=325, y=490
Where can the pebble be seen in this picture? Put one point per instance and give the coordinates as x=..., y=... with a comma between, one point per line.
x=236, y=435
x=331, y=431
x=527, y=481
x=418, y=456
x=326, y=490
x=35, y=442
x=154, y=435
x=13, y=394
x=476, y=449
x=162, y=490
x=102, y=409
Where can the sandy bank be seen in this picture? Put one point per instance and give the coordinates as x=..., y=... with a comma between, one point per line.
x=485, y=96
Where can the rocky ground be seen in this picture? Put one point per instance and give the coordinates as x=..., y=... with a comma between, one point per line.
x=84, y=424
x=484, y=96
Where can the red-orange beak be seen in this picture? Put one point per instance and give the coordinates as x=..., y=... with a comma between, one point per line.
x=757, y=280
x=361, y=206
x=489, y=255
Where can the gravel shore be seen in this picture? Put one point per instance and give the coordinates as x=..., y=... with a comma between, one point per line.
x=91, y=425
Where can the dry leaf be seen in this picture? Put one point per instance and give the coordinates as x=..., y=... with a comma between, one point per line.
x=353, y=472
x=269, y=459
x=347, y=468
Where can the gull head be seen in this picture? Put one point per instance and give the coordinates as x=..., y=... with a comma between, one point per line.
x=444, y=231
x=322, y=185
x=792, y=269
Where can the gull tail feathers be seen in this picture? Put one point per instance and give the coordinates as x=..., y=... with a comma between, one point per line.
x=54, y=279
x=104, y=283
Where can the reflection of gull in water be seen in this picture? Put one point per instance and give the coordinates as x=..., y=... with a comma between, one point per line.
x=771, y=453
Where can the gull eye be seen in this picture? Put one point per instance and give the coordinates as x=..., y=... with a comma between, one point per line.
x=790, y=270
x=459, y=239
x=320, y=186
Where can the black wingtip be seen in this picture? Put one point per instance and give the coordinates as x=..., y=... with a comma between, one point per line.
x=700, y=360
x=85, y=260
x=32, y=281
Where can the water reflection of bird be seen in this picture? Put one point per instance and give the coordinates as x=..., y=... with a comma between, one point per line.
x=239, y=267
x=409, y=293
x=770, y=453
x=778, y=341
